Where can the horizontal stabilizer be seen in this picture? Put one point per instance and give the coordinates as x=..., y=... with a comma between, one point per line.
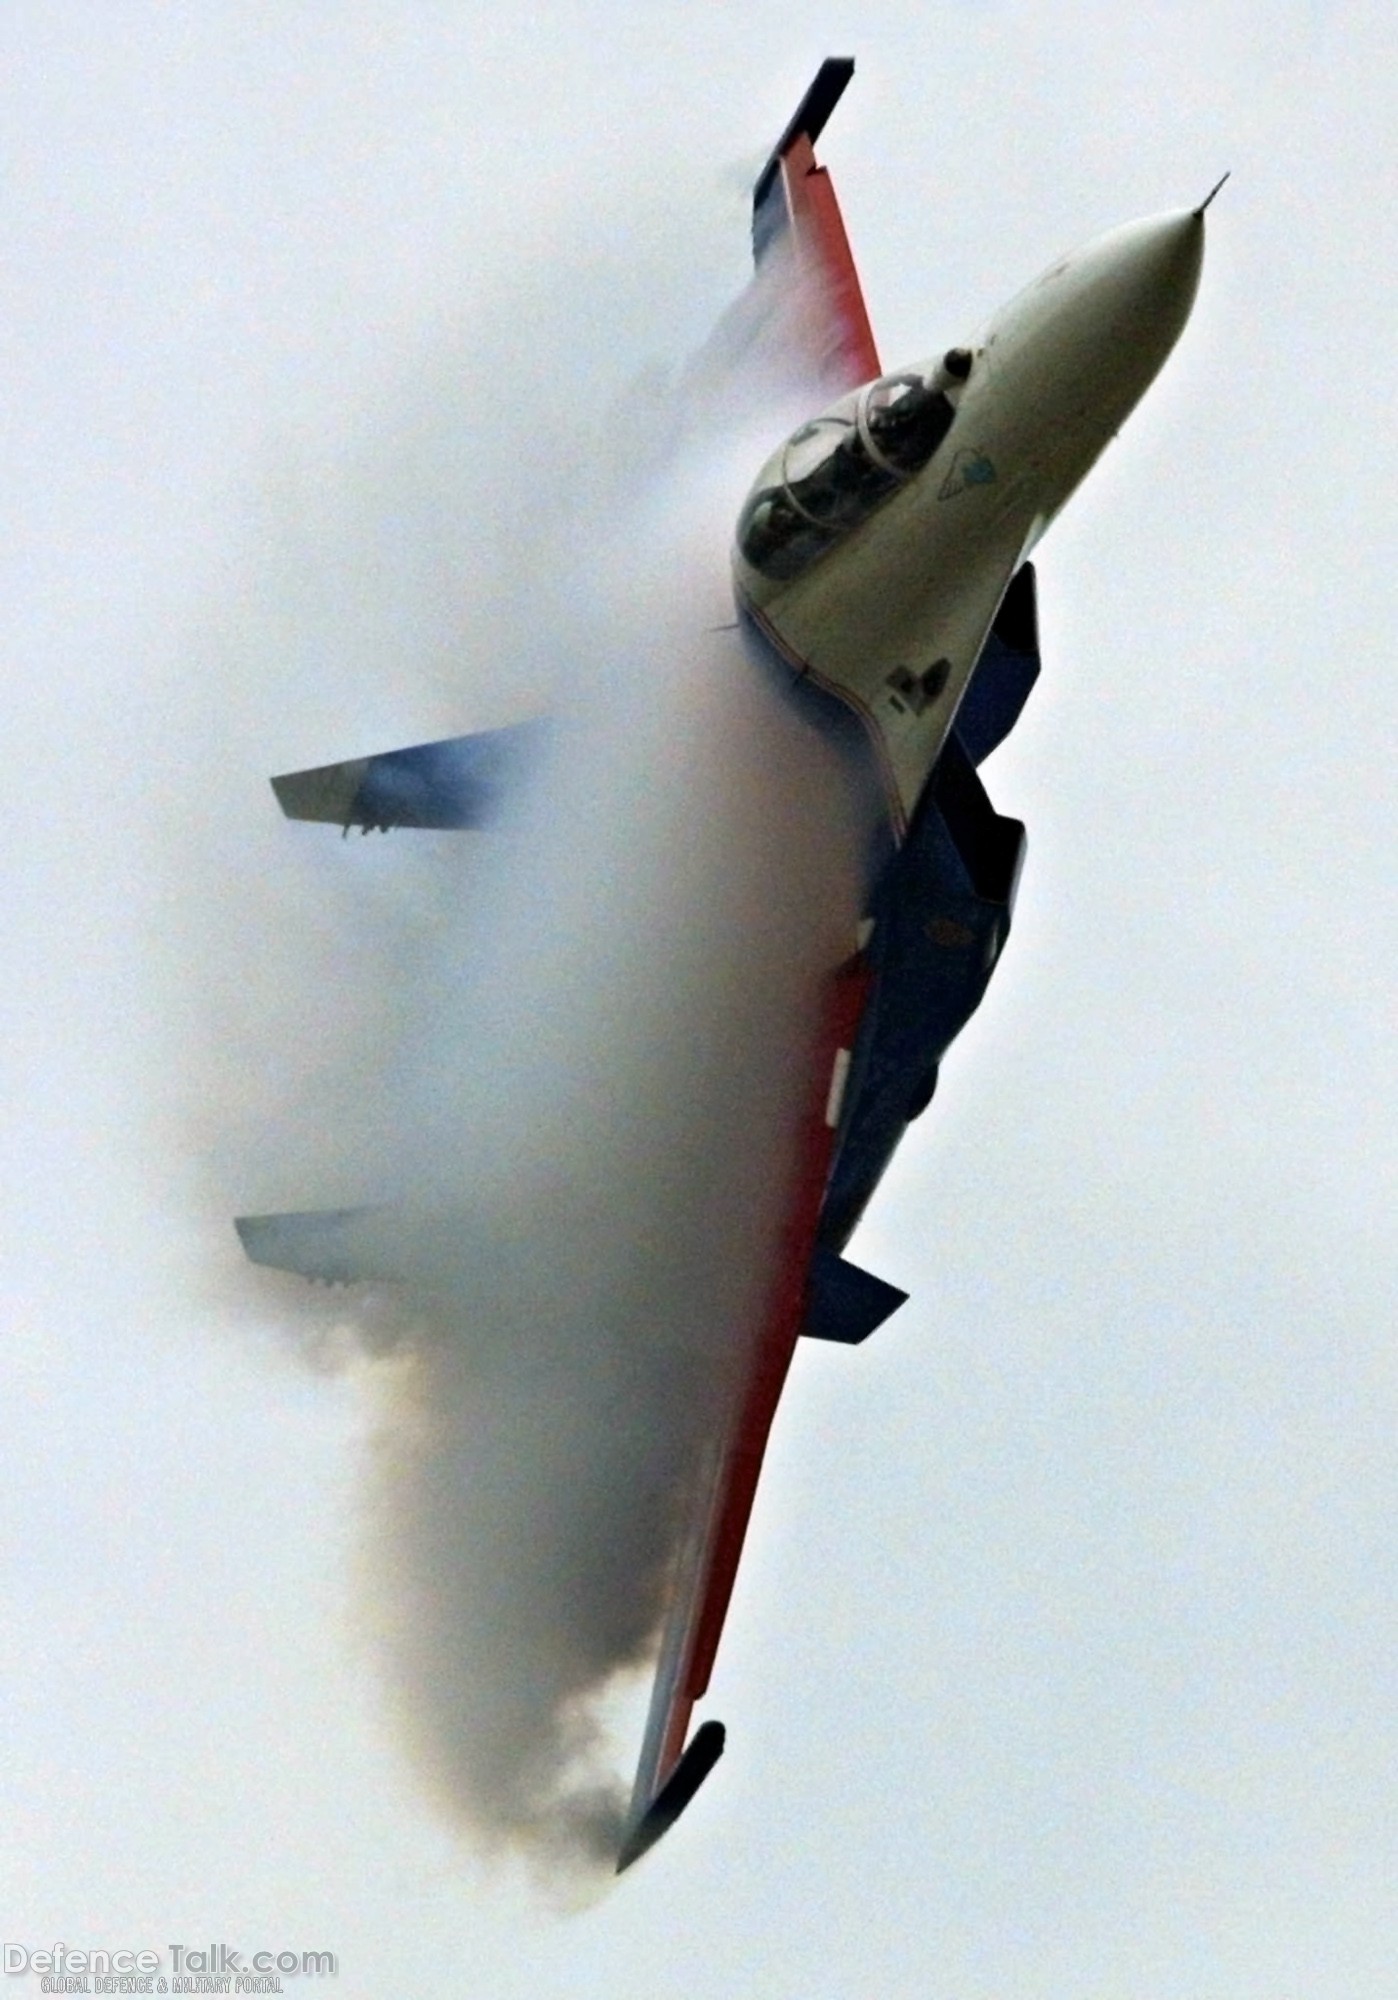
x=464, y=781
x=845, y=1303
x=700, y=1756
x=335, y=1246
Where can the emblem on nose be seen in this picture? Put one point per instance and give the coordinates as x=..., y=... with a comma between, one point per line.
x=970, y=467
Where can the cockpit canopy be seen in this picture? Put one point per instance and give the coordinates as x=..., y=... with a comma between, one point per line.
x=836, y=470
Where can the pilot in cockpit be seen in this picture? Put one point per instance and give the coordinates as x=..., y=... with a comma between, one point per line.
x=836, y=470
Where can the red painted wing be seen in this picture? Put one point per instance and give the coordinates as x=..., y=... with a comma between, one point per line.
x=795, y=216
x=798, y=239
x=670, y=1771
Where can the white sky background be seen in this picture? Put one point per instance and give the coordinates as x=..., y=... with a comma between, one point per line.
x=1062, y=1662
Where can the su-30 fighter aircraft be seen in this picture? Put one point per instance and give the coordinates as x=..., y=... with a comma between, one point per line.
x=880, y=571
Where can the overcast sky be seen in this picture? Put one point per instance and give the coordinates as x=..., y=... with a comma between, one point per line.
x=1062, y=1661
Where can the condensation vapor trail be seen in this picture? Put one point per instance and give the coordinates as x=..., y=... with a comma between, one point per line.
x=609, y=1122
x=584, y=1115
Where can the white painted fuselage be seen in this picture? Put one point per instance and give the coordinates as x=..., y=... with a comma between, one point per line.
x=890, y=613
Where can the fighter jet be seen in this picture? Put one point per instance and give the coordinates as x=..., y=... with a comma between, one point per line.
x=881, y=578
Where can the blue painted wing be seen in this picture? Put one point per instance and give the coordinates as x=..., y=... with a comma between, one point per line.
x=464, y=781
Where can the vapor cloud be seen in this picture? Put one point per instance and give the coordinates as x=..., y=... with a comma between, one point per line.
x=569, y=1054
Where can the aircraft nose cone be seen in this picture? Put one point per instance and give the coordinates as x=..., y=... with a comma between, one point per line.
x=1079, y=348
x=1124, y=305
x=1141, y=282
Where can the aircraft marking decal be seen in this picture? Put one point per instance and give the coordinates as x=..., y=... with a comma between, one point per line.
x=970, y=467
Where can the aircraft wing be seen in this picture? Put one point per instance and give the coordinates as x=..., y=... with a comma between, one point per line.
x=465, y=781
x=796, y=217
x=812, y=1292
x=798, y=239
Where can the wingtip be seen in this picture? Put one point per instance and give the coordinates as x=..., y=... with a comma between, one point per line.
x=330, y=1246
x=700, y=1755
x=810, y=118
x=327, y=793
